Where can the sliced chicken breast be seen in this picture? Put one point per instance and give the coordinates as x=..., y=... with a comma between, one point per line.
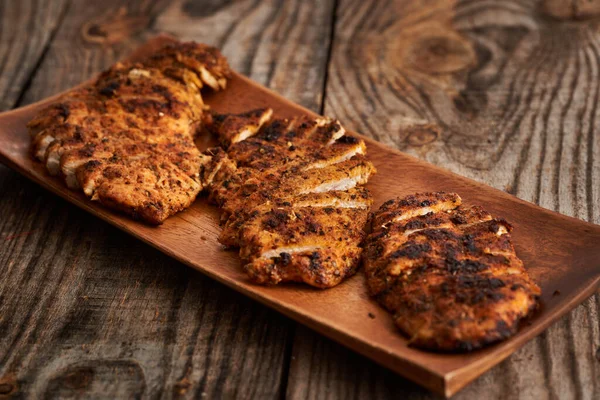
x=136, y=121
x=291, y=198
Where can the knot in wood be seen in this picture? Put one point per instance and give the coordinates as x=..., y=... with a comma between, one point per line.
x=114, y=27
x=441, y=54
x=79, y=378
x=420, y=135
x=8, y=386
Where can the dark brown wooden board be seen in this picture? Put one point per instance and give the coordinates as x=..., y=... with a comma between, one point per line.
x=561, y=253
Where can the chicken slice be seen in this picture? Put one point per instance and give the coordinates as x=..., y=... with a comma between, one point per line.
x=292, y=140
x=137, y=188
x=219, y=174
x=85, y=167
x=343, y=149
x=448, y=273
x=258, y=187
x=73, y=109
x=356, y=198
x=234, y=128
x=71, y=137
x=397, y=210
x=184, y=60
x=319, y=246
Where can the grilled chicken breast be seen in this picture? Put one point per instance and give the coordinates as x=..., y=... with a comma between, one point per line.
x=128, y=139
x=448, y=273
x=291, y=195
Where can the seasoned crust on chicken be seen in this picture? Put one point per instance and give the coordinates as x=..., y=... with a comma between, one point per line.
x=355, y=198
x=128, y=139
x=448, y=273
x=310, y=143
x=277, y=184
x=315, y=245
x=192, y=62
x=234, y=128
x=282, y=154
x=291, y=197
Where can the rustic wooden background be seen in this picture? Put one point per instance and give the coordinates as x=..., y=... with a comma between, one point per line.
x=505, y=92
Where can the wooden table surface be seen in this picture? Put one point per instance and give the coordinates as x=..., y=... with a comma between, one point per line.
x=504, y=92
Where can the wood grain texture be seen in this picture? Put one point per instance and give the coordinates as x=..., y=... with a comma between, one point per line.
x=346, y=313
x=520, y=49
x=505, y=93
x=26, y=29
x=88, y=311
x=282, y=45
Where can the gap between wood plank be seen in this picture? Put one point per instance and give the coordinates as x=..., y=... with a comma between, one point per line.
x=294, y=328
x=329, y=54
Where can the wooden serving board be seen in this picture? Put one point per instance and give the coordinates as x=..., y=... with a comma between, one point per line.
x=561, y=253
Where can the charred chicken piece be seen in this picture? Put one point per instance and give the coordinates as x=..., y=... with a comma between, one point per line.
x=234, y=128
x=448, y=273
x=128, y=139
x=311, y=142
x=291, y=197
x=357, y=198
x=315, y=245
x=258, y=188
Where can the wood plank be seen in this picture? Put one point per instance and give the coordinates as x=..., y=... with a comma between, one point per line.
x=26, y=28
x=505, y=93
x=84, y=304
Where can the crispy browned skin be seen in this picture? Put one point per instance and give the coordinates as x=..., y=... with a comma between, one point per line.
x=291, y=196
x=127, y=139
x=448, y=273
